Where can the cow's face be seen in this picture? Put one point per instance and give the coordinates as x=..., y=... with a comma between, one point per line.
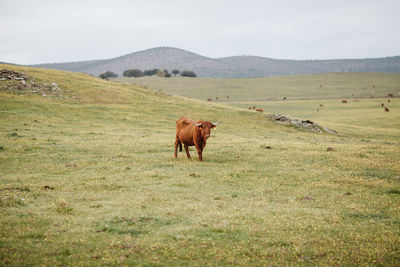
x=205, y=129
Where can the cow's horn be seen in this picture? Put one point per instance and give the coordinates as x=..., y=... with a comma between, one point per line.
x=197, y=124
x=215, y=124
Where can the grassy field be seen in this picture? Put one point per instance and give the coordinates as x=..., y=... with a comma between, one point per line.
x=88, y=177
x=362, y=118
x=330, y=85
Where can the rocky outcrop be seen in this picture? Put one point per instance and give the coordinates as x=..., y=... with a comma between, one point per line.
x=20, y=83
x=303, y=124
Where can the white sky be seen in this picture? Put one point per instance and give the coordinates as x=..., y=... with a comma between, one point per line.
x=61, y=31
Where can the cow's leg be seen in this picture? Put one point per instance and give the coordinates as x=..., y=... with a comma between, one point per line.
x=177, y=142
x=187, y=151
x=199, y=151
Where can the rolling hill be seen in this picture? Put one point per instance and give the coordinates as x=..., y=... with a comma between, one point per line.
x=228, y=67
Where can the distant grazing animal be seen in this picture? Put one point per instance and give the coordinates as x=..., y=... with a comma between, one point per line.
x=388, y=100
x=192, y=133
x=344, y=101
x=386, y=109
x=227, y=97
x=254, y=107
x=320, y=85
x=284, y=98
x=390, y=95
x=209, y=99
x=259, y=109
x=250, y=108
x=216, y=98
x=321, y=105
x=382, y=105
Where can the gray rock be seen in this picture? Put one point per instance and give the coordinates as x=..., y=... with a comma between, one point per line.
x=306, y=124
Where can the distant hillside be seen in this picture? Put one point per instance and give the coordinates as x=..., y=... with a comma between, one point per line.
x=228, y=67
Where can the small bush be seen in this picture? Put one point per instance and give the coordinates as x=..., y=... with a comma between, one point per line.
x=108, y=74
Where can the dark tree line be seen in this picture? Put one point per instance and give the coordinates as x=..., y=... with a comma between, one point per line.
x=139, y=73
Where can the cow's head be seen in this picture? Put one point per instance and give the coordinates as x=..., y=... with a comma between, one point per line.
x=205, y=128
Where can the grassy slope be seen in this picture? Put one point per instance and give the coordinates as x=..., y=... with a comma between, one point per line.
x=334, y=85
x=129, y=201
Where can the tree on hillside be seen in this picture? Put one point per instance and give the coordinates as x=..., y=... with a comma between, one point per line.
x=108, y=74
x=175, y=72
x=167, y=74
x=133, y=73
x=188, y=73
x=148, y=73
x=160, y=73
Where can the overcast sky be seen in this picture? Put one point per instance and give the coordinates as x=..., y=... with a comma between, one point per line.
x=59, y=31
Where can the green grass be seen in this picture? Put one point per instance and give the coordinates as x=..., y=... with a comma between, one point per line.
x=90, y=179
x=330, y=85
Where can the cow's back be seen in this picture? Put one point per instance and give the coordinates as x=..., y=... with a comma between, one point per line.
x=184, y=131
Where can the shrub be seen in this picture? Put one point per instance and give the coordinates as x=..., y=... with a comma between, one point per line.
x=188, y=73
x=160, y=73
x=167, y=74
x=108, y=74
x=148, y=73
x=175, y=72
x=133, y=73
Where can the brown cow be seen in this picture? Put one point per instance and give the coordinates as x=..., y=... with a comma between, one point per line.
x=259, y=109
x=344, y=101
x=382, y=105
x=192, y=133
x=386, y=109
